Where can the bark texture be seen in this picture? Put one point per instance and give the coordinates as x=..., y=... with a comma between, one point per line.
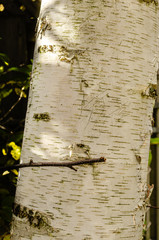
x=92, y=94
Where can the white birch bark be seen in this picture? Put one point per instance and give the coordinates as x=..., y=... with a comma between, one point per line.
x=91, y=96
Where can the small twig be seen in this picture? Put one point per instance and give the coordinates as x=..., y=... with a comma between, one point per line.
x=53, y=164
x=150, y=206
x=12, y=107
x=4, y=128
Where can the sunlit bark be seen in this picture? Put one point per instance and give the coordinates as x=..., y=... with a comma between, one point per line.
x=92, y=95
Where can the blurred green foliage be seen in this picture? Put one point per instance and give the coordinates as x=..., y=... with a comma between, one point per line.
x=150, y=158
x=153, y=141
x=14, y=84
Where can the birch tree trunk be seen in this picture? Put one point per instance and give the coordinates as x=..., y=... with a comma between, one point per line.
x=92, y=94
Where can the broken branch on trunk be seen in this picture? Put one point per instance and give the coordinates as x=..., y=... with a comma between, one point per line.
x=150, y=206
x=54, y=164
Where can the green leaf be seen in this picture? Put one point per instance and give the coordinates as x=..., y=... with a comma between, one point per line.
x=17, y=91
x=11, y=82
x=4, y=152
x=20, y=92
x=16, y=69
x=150, y=158
x=23, y=69
x=154, y=141
x=1, y=69
x=5, y=93
x=15, y=172
x=4, y=191
x=2, y=85
x=7, y=237
x=16, y=151
x=4, y=58
x=5, y=173
x=23, y=94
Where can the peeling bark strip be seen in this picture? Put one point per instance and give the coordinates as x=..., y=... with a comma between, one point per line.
x=150, y=1
x=32, y=221
x=54, y=164
x=150, y=91
x=44, y=25
x=36, y=219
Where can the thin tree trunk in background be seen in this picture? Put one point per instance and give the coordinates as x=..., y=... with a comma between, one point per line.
x=92, y=94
